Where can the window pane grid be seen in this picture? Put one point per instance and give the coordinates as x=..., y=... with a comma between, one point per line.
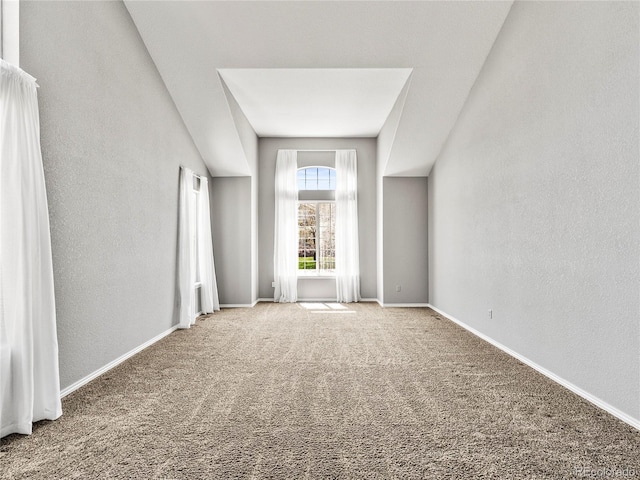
x=307, y=236
x=316, y=178
x=316, y=237
x=326, y=235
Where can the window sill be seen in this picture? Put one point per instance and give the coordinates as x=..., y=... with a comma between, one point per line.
x=316, y=276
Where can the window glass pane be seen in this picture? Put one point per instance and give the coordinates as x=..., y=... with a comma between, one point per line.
x=316, y=236
x=323, y=179
x=326, y=236
x=307, y=236
x=301, y=179
x=332, y=179
x=316, y=178
x=312, y=178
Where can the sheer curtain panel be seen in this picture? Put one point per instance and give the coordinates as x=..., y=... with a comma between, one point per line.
x=347, y=248
x=208, y=285
x=285, y=245
x=29, y=376
x=186, y=255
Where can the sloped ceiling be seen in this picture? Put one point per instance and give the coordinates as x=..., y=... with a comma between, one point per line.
x=196, y=46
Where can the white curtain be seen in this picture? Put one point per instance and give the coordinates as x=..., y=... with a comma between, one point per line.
x=208, y=286
x=285, y=257
x=186, y=255
x=29, y=377
x=347, y=249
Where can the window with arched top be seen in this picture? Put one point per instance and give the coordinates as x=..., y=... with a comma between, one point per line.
x=316, y=178
x=316, y=221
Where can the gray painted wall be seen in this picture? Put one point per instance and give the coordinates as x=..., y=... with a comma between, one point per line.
x=384, y=145
x=405, y=240
x=533, y=203
x=249, y=141
x=232, y=238
x=402, y=224
x=112, y=144
x=366, y=151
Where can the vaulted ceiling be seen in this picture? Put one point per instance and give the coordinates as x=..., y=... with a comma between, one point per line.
x=316, y=102
x=320, y=68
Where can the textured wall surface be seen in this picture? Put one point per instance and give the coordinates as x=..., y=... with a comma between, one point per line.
x=384, y=143
x=249, y=141
x=534, y=203
x=112, y=144
x=366, y=151
x=231, y=205
x=405, y=240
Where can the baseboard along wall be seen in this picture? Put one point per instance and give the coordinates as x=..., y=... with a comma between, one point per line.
x=83, y=381
x=403, y=305
x=242, y=305
x=634, y=422
x=270, y=300
x=547, y=373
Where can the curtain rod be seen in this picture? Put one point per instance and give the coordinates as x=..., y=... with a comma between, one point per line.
x=193, y=173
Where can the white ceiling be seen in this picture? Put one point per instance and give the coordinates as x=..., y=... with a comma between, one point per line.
x=316, y=102
x=443, y=43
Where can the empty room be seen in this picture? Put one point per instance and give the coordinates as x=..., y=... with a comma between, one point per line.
x=319, y=239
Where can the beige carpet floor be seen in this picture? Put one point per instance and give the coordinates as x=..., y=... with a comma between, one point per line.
x=280, y=391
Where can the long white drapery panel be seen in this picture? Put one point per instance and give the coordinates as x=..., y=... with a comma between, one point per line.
x=285, y=256
x=29, y=375
x=347, y=247
x=186, y=255
x=208, y=285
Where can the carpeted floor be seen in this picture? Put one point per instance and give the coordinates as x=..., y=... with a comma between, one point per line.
x=280, y=391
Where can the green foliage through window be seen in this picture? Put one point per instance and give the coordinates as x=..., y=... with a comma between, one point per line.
x=316, y=236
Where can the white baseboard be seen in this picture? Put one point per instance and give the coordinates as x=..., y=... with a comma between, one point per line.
x=270, y=300
x=404, y=305
x=240, y=305
x=634, y=422
x=399, y=305
x=83, y=381
x=333, y=300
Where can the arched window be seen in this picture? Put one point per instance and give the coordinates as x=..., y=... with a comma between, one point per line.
x=316, y=221
x=317, y=178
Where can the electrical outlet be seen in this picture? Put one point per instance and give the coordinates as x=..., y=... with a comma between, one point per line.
x=490, y=313
x=398, y=288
